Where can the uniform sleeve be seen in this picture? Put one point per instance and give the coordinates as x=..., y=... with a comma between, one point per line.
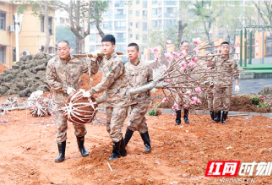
x=93, y=65
x=115, y=72
x=51, y=77
x=236, y=70
x=150, y=74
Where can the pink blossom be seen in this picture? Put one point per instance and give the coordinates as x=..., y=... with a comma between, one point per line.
x=198, y=90
x=180, y=93
x=195, y=50
x=188, y=92
x=165, y=100
x=155, y=50
x=183, y=64
x=168, y=42
x=15, y=98
x=5, y=121
x=195, y=59
x=193, y=100
x=186, y=106
x=198, y=102
x=176, y=56
x=175, y=106
x=183, y=54
x=191, y=64
x=167, y=81
x=150, y=50
x=196, y=41
x=168, y=56
x=163, y=68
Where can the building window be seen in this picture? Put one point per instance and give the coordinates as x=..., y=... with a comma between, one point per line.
x=137, y=25
x=92, y=37
x=144, y=40
x=154, y=2
x=130, y=12
x=120, y=37
x=137, y=37
x=173, y=2
x=137, y=1
x=137, y=13
x=121, y=48
x=119, y=3
x=144, y=3
x=144, y=26
x=144, y=14
x=2, y=21
x=154, y=24
x=2, y=54
x=120, y=14
x=154, y=11
x=130, y=35
x=120, y=25
x=169, y=12
x=107, y=25
x=50, y=23
x=91, y=48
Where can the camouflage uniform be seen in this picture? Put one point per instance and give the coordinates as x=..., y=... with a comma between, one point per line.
x=115, y=87
x=60, y=75
x=137, y=76
x=225, y=69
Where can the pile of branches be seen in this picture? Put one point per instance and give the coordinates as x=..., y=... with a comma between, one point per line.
x=27, y=76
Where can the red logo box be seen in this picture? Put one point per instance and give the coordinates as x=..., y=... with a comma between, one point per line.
x=222, y=168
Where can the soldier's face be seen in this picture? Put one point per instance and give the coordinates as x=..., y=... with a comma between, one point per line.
x=225, y=48
x=63, y=50
x=108, y=48
x=132, y=52
x=185, y=47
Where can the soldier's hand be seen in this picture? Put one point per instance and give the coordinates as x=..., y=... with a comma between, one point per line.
x=70, y=90
x=237, y=88
x=86, y=94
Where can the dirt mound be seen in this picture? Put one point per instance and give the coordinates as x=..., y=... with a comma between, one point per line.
x=26, y=77
x=245, y=104
x=2, y=68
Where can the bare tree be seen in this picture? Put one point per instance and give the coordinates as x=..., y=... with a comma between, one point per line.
x=81, y=15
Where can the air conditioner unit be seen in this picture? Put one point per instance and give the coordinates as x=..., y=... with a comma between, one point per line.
x=25, y=52
x=11, y=28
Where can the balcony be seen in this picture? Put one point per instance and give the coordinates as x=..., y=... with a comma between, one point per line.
x=120, y=16
x=170, y=3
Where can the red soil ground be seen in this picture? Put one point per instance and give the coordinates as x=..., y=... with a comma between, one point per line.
x=179, y=153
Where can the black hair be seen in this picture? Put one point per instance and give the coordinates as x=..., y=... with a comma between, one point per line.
x=109, y=38
x=134, y=44
x=225, y=42
x=65, y=41
x=184, y=41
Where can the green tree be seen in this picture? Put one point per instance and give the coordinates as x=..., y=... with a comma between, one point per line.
x=264, y=9
x=41, y=9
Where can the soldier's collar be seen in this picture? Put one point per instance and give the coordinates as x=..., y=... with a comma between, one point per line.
x=138, y=62
x=67, y=59
x=109, y=57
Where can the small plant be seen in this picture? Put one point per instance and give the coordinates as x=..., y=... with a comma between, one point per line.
x=255, y=100
x=153, y=112
x=263, y=105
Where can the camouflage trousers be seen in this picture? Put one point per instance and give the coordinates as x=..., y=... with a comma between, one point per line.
x=222, y=97
x=137, y=121
x=61, y=125
x=115, y=121
x=210, y=99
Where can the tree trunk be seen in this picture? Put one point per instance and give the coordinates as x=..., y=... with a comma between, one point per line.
x=181, y=28
x=46, y=29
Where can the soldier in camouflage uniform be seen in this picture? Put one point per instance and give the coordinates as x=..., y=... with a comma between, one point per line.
x=210, y=90
x=184, y=46
x=115, y=86
x=138, y=74
x=62, y=73
x=225, y=68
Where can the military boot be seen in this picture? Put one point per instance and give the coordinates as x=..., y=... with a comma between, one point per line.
x=178, y=116
x=80, y=143
x=217, y=116
x=186, y=116
x=224, y=117
x=116, y=152
x=61, y=148
x=146, y=139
